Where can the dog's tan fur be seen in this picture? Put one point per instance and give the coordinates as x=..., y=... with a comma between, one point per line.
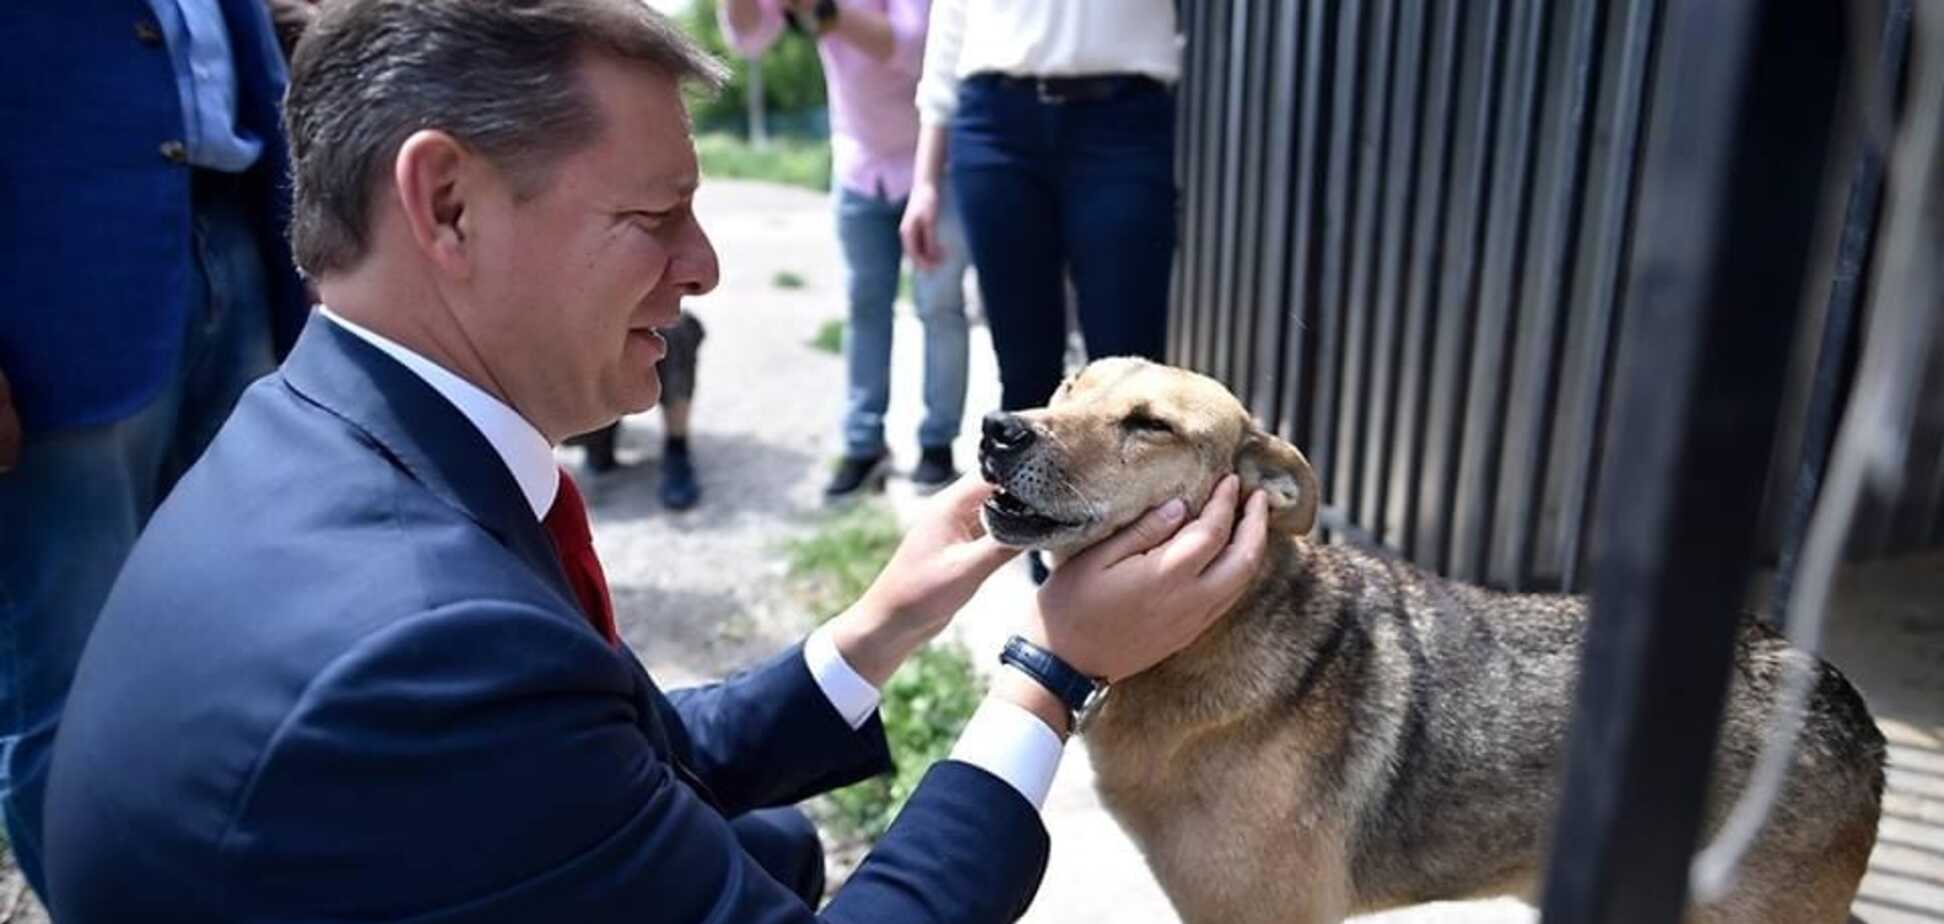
x=1356, y=734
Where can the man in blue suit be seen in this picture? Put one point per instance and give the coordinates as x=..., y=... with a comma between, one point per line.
x=362, y=665
x=146, y=283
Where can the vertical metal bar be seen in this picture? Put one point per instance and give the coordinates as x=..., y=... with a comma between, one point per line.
x=1476, y=212
x=1435, y=161
x=1499, y=340
x=1336, y=232
x=1565, y=213
x=1412, y=62
x=1305, y=286
x=1180, y=307
x=1937, y=498
x=1214, y=115
x=1252, y=313
x=1846, y=291
x=1194, y=110
x=1277, y=309
x=1234, y=114
x=1730, y=201
x=1616, y=234
x=1374, y=163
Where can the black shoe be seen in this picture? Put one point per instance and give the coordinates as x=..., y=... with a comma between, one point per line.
x=934, y=469
x=678, y=488
x=854, y=476
x=1036, y=563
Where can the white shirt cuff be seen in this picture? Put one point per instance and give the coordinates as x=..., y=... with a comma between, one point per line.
x=1014, y=745
x=853, y=696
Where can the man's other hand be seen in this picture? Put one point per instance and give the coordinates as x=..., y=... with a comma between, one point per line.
x=1151, y=589
x=938, y=566
x=10, y=437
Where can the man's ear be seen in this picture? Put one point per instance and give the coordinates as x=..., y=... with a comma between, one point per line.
x=1266, y=461
x=427, y=175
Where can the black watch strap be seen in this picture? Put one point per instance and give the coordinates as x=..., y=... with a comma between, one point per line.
x=1075, y=689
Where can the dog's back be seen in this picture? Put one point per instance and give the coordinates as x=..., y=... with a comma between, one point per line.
x=1421, y=724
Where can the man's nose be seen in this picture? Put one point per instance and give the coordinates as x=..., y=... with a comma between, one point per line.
x=695, y=267
x=1005, y=434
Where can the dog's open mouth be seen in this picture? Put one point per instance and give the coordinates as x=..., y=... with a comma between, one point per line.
x=1011, y=516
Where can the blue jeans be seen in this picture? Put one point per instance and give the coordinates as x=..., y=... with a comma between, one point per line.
x=867, y=225
x=1052, y=189
x=70, y=512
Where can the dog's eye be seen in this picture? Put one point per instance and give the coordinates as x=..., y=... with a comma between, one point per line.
x=1144, y=422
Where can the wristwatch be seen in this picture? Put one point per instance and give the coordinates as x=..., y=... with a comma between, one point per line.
x=1081, y=694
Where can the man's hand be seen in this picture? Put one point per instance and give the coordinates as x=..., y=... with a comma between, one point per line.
x=1149, y=590
x=938, y=566
x=9, y=428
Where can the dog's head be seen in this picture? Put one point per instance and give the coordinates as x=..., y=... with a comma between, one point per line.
x=1120, y=437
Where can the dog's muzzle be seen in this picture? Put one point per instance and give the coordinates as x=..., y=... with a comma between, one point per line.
x=1015, y=514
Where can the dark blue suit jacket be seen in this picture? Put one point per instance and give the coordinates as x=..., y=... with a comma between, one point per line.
x=342, y=678
x=95, y=243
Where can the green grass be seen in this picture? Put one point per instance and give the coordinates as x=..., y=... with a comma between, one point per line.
x=830, y=337
x=794, y=161
x=786, y=279
x=831, y=567
x=929, y=700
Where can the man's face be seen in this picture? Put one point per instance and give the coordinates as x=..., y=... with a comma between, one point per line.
x=572, y=282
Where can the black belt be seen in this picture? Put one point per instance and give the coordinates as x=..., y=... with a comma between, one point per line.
x=1089, y=88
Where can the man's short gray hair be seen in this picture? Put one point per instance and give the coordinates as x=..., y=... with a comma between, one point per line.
x=501, y=76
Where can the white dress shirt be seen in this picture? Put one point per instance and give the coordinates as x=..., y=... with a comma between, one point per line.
x=1002, y=739
x=1043, y=38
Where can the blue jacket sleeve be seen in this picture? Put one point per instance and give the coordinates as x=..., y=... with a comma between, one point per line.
x=492, y=762
x=769, y=736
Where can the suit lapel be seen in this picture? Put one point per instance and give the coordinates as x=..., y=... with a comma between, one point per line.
x=422, y=433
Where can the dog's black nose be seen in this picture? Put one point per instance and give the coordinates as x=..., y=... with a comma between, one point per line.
x=1005, y=434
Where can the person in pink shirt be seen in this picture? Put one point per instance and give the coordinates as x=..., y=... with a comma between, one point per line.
x=872, y=51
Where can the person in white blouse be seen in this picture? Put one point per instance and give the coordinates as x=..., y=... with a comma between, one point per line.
x=1060, y=122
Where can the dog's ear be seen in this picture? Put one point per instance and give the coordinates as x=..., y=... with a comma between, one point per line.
x=1266, y=461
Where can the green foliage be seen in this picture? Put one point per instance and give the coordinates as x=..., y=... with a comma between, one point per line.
x=830, y=337
x=926, y=704
x=832, y=567
x=792, y=75
x=787, y=279
x=792, y=161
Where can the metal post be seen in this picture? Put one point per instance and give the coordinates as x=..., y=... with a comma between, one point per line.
x=1730, y=193
x=1845, y=293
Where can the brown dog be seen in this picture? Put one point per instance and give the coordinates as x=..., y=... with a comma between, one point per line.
x=1356, y=734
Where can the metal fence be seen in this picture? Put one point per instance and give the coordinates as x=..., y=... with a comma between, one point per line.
x=1407, y=227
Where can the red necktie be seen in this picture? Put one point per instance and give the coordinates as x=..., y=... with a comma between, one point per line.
x=574, y=543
